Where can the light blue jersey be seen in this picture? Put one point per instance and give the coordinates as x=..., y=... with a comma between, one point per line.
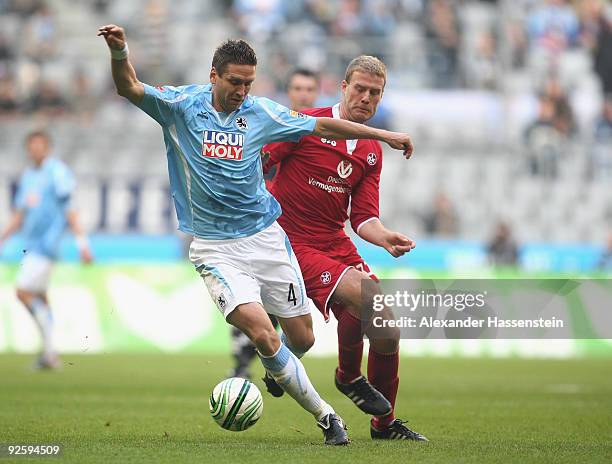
x=214, y=159
x=44, y=197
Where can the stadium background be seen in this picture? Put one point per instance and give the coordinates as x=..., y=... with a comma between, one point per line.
x=504, y=100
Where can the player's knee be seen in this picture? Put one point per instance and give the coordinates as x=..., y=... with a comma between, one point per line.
x=386, y=345
x=23, y=296
x=305, y=342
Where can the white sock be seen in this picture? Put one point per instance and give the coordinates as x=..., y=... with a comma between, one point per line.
x=44, y=320
x=289, y=373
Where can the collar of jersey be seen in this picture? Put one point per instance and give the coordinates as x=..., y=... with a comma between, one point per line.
x=350, y=144
x=42, y=166
x=207, y=100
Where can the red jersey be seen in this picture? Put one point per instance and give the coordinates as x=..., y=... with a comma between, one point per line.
x=318, y=178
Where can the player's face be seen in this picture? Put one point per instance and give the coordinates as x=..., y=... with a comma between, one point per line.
x=232, y=87
x=38, y=148
x=361, y=96
x=302, y=92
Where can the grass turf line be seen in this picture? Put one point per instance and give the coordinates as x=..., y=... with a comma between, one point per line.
x=154, y=408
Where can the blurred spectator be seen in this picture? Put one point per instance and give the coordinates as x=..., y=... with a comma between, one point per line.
x=596, y=36
x=482, y=69
x=24, y=8
x=41, y=34
x=543, y=141
x=502, y=249
x=83, y=97
x=259, y=19
x=379, y=17
x=155, y=42
x=600, y=166
x=605, y=262
x=7, y=52
x=441, y=220
x=48, y=100
x=8, y=97
x=349, y=20
x=442, y=29
x=547, y=137
x=553, y=27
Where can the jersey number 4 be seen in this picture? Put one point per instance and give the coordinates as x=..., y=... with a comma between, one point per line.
x=291, y=296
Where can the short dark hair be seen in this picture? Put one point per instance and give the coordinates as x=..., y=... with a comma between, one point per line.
x=37, y=133
x=302, y=72
x=233, y=52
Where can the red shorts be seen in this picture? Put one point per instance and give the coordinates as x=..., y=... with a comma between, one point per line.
x=323, y=267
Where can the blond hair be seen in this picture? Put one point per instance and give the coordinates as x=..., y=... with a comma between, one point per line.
x=366, y=64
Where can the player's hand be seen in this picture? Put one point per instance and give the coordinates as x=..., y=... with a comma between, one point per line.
x=398, y=244
x=401, y=141
x=86, y=256
x=114, y=36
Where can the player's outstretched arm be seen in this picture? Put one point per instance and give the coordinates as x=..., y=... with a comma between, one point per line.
x=342, y=129
x=12, y=226
x=124, y=75
x=395, y=243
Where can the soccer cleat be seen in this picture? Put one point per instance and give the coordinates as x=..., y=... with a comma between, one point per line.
x=396, y=431
x=48, y=362
x=273, y=388
x=365, y=396
x=334, y=430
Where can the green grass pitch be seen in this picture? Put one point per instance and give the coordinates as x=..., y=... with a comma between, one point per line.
x=153, y=409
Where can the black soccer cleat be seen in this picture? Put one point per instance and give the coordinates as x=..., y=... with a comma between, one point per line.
x=334, y=430
x=365, y=396
x=273, y=388
x=396, y=431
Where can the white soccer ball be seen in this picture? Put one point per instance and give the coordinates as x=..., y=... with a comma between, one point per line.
x=236, y=404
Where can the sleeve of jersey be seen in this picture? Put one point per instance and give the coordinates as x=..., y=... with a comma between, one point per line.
x=162, y=102
x=283, y=124
x=277, y=151
x=365, y=198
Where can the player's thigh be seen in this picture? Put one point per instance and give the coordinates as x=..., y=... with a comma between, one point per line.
x=321, y=275
x=348, y=290
x=277, y=270
x=34, y=274
x=225, y=274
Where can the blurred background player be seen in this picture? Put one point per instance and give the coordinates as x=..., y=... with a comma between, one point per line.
x=214, y=134
x=302, y=92
x=317, y=180
x=302, y=89
x=42, y=211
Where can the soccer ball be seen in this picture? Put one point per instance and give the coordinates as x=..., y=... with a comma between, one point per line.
x=236, y=404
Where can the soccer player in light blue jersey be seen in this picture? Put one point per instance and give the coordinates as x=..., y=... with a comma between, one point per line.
x=43, y=210
x=213, y=135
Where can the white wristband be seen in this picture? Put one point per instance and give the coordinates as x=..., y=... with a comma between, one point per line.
x=120, y=54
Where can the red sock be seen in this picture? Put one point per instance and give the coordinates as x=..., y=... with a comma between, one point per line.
x=350, y=346
x=383, y=375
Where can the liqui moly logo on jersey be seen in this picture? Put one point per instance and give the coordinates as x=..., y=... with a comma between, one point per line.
x=223, y=145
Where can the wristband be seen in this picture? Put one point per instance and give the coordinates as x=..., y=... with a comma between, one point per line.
x=120, y=54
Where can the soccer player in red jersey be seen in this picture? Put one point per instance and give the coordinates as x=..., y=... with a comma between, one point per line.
x=317, y=179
